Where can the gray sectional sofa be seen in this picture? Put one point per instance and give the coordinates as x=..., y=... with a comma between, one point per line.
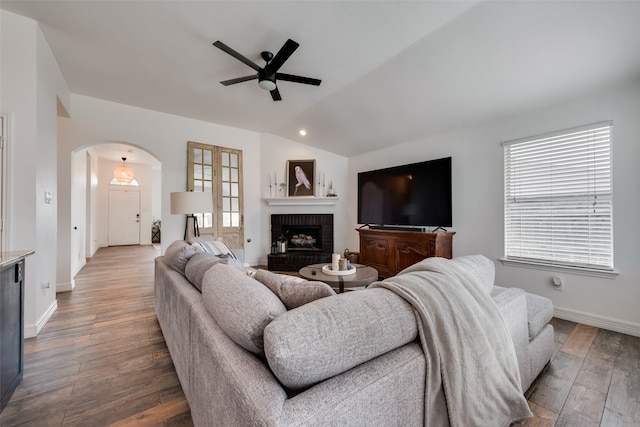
x=245, y=356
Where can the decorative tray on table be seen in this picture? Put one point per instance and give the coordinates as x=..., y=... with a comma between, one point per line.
x=327, y=270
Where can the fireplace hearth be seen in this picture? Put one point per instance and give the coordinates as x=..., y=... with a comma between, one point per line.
x=309, y=240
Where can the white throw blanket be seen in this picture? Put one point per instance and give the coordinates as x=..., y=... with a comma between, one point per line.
x=471, y=364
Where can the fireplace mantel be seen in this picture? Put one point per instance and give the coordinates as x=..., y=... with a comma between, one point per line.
x=301, y=201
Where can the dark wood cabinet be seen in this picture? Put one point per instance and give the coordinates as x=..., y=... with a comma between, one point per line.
x=390, y=251
x=11, y=328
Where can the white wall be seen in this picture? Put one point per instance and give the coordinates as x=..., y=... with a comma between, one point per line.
x=92, y=223
x=92, y=203
x=165, y=136
x=65, y=267
x=31, y=83
x=50, y=84
x=78, y=212
x=275, y=153
x=478, y=201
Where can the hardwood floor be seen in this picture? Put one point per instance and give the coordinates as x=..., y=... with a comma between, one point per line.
x=101, y=360
x=593, y=380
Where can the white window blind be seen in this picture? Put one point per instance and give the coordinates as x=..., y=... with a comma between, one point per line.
x=558, y=198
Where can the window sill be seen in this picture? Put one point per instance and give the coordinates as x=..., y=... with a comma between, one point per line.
x=584, y=271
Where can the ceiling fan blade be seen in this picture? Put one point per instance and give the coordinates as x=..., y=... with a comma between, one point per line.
x=275, y=94
x=239, y=80
x=236, y=55
x=283, y=54
x=298, y=79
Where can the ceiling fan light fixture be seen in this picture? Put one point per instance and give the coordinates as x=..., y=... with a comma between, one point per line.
x=267, y=85
x=268, y=76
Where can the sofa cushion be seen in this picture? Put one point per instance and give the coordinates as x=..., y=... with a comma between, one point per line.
x=332, y=335
x=293, y=293
x=240, y=305
x=178, y=254
x=198, y=265
x=481, y=267
x=539, y=313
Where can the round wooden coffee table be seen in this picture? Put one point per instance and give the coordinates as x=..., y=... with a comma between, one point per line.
x=363, y=276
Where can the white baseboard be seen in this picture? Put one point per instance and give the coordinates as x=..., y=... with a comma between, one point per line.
x=31, y=331
x=82, y=264
x=603, y=322
x=65, y=287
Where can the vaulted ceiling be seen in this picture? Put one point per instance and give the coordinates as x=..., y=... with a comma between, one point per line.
x=391, y=71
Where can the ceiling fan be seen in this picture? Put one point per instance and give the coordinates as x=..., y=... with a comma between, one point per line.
x=268, y=75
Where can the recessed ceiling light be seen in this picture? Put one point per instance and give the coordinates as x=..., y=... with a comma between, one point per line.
x=303, y=132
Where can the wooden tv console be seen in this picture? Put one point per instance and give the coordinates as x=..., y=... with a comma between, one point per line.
x=390, y=251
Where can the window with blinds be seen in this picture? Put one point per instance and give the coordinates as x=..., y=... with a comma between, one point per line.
x=558, y=198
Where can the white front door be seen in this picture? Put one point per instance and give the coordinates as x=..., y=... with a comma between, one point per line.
x=124, y=218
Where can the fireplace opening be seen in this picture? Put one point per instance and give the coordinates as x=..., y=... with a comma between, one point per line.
x=303, y=238
x=309, y=240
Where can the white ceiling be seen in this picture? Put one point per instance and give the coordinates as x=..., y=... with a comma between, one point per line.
x=392, y=71
x=115, y=151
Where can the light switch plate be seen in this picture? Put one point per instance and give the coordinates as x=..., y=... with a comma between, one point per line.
x=48, y=197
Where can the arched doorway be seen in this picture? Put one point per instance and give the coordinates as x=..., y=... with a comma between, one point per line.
x=92, y=170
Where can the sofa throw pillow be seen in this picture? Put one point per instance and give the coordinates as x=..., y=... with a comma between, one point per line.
x=213, y=246
x=320, y=340
x=240, y=305
x=293, y=293
x=198, y=265
x=178, y=254
x=481, y=267
x=271, y=280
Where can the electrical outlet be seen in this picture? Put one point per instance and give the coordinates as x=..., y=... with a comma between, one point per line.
x=44, y=287
x=558, y=283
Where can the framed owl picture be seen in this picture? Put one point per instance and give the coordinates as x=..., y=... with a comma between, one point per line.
x=300, y=178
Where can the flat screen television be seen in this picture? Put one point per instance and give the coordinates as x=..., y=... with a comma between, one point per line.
x=413, y=195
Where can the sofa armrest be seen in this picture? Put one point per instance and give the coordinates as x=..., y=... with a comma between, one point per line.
x=512, y=303
x=174, y=296
x=511, y=297
x=234, y=387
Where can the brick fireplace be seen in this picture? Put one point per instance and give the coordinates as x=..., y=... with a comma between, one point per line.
x=309, y=240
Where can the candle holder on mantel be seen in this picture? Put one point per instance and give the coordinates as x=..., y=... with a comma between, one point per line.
x=331, y=192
